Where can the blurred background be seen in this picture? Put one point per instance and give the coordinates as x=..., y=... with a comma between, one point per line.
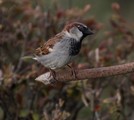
x=26, y=24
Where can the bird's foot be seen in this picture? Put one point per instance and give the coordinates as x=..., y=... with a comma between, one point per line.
x=73, y=71
x=53, y=74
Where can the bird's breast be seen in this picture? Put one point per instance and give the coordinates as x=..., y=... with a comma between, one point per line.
x=74, y=47
x=68, y=46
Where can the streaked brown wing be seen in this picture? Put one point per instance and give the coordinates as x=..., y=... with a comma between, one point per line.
x=48, y=46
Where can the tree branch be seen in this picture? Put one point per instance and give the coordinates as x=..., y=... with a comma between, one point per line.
x=82, y=74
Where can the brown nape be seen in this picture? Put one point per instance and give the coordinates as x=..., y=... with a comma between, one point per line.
x=69, y=26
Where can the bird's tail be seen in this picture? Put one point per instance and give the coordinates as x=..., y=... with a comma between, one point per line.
x=25, y=58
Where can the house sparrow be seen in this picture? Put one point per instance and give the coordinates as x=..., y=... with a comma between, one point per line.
x=60, y=49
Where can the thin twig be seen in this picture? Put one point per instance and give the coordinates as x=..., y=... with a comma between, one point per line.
x=22, y=51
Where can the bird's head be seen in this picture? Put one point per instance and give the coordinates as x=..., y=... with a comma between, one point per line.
x=77, y=30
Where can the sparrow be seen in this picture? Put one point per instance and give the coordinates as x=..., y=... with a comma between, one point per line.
x=59, y=50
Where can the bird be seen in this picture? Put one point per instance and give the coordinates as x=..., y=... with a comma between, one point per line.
x=59, y=50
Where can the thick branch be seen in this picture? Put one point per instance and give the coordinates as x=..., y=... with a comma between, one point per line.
x=66, y=76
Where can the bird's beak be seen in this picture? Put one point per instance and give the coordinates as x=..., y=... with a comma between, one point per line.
x=89, y=32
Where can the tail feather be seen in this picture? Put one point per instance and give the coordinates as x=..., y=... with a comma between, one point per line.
x=26, y=57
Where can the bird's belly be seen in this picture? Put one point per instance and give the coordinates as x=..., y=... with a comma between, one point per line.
x=60, y=55
x=55, y=60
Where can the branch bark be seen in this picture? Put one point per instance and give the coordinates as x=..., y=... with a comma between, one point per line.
x=82, y=74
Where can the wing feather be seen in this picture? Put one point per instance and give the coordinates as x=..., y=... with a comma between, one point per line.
x=47, y=47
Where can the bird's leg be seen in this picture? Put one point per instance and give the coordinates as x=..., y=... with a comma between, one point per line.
x=73, y=71
x=52, y=73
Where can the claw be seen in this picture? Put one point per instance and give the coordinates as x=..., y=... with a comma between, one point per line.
x=73, y=71
x=53, y=73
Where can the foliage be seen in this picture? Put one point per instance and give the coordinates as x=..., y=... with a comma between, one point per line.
x=24, y=26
